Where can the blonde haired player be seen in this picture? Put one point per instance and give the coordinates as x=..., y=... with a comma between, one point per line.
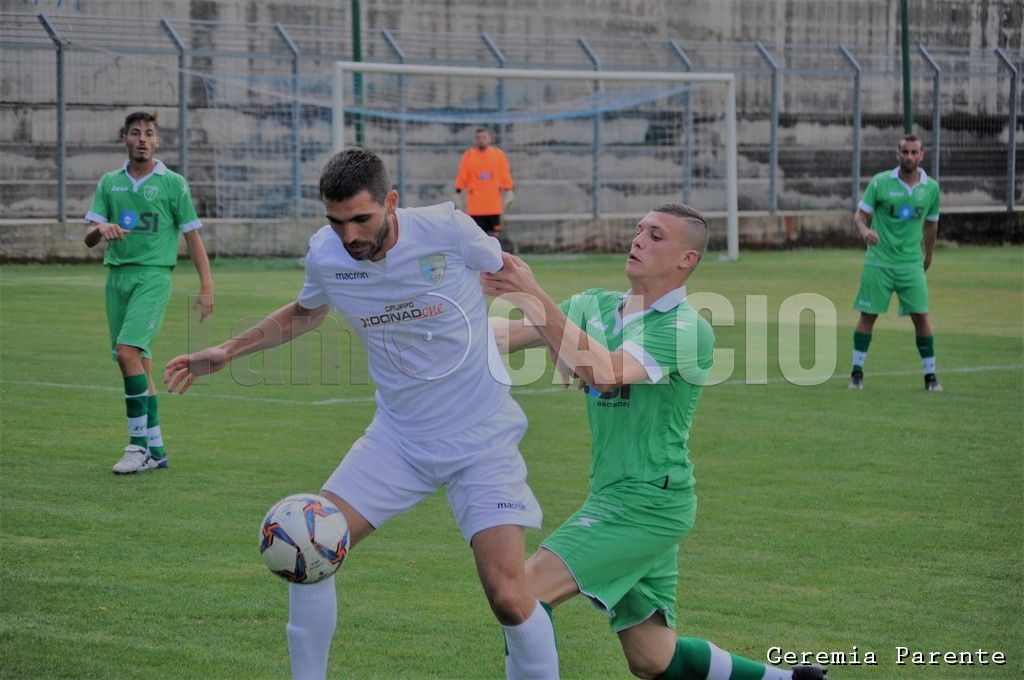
x=642, y=357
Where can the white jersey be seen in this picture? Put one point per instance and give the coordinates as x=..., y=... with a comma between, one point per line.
x=422, y=317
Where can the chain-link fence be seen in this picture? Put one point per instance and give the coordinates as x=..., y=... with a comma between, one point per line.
x=815, y=121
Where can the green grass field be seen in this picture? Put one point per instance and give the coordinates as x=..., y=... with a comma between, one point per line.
x=830, y=520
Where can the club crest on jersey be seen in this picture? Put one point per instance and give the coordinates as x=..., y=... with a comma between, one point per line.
x=150, y=192
x=432, y=268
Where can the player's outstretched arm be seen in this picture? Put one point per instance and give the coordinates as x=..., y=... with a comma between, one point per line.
x=279, y=327
x=573, y=350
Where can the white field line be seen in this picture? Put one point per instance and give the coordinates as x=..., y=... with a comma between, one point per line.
x=198, y=391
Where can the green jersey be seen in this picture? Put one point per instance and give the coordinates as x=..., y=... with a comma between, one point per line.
x=639, y=432
x=154, y=210
x=898, y=213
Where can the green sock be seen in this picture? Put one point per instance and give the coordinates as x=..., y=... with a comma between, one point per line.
x=693, y=660
x=861, y=342
x=154, y=437
x=135, y=389
x=926, y=348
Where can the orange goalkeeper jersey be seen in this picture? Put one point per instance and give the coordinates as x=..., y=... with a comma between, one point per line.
x=483, y=174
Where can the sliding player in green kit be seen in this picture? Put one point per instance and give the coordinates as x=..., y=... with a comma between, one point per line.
x=898, y=218
x=140, y=210
x=642, y=358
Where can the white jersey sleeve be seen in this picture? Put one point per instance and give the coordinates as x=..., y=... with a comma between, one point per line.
x=482, y=252
x=313, y=293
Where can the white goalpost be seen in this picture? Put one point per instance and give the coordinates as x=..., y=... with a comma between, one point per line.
x=582, y=144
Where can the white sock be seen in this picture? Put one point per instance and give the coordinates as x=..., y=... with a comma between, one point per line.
x=531, y=648
x=312, y=617
x=859, y=358
x=928, y=365
x=137, y=424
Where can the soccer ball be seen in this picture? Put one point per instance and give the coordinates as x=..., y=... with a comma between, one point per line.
x=304, y=538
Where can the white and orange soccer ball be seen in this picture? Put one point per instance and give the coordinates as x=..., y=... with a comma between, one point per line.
x=304, y=538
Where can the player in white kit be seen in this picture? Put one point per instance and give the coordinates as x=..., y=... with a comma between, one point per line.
x=407, y=280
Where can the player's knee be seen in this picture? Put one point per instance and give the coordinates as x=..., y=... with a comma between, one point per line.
x=649, y=647
x=510, y=601
x=643, y=663
x=643, y=667
x=128, y=358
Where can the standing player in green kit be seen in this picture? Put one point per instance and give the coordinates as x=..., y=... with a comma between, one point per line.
x=898, y=218
x=140, y=209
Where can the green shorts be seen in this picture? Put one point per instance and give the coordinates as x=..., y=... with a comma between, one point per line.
x=137, y=298
x=622, y=546
x=877, y=284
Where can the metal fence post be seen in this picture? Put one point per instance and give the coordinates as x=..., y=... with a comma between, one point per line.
x=1011, y=146
x=687, y=125
x=856, y=122
x=773, y=149
x=62, y=141
x=936, y=111
x=296, y=116
x=182, y=98
x=502, y=105
x=598, y=87
x=393, y=44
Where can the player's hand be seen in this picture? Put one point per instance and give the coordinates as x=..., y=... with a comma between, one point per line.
x=514, y=276
x=871, y=237
x=204, y=303
x=98, y=232
x=112, y=232
x=182, y=370
x=515, y=284
x=508, y=199
x=459, y=200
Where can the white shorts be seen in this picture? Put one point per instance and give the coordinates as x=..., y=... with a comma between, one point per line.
x=385, y=474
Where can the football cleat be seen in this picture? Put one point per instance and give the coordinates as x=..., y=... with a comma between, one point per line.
x=137, y=459
x=856, y=380
x=931, y=383
x=810, y=673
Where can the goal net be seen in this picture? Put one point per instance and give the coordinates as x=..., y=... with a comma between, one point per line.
x=590, y=151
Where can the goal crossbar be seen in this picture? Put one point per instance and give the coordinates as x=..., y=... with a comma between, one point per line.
x=342, y=68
